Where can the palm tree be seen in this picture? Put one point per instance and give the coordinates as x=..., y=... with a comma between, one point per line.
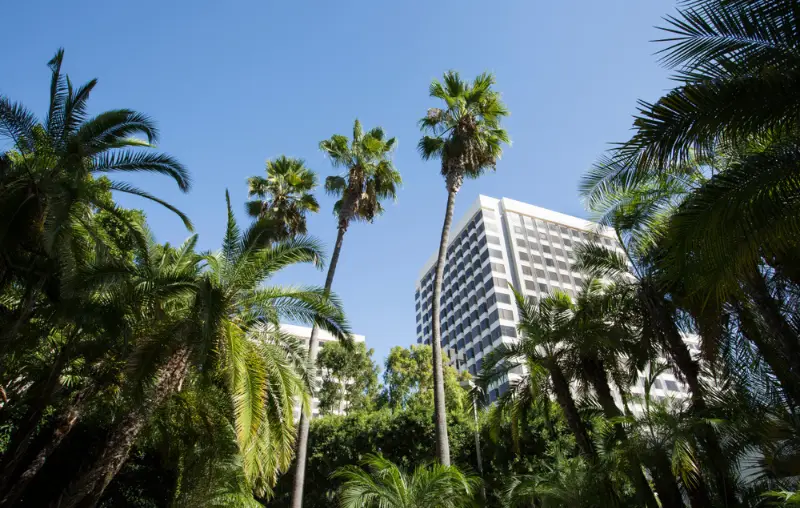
x=543, y=326
x=115, y=300
x=466, y=135
x=600, y=346
x=54, y=177
x=568, y=483
x=284, y=196
x=380, y=483
x=369, y=178
x=656, y=315
x=228, y=329
x=732, y=114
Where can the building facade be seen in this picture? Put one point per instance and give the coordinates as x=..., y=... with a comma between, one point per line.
x=304, y=333
x=500, y=243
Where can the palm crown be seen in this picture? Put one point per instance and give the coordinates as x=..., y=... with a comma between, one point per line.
x=466, y=134
x=284, y=195
x=370, y=177
x=55, y=160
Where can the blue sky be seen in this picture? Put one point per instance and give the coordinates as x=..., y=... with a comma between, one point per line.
x=234, y=83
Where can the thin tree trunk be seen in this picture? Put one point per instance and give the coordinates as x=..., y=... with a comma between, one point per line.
x=313, y=349
x=595, y=370
x=342, y=398
x=88, y=488
x=440, y=411
x=64, y=425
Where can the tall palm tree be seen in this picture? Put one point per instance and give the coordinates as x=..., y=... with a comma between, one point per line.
x=369, y=178
x=467, y=136
x=284, y=196
x=227, y=328
x=380, y=483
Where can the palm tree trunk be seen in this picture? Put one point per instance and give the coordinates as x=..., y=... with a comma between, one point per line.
x=778, y=327
x=440, y=411
x=87, y=489
x=595, y=371
x=21, y=439
x=66, y=422
x=717, y=463
x=772, y=353
x=567, y=403
x=313, y=349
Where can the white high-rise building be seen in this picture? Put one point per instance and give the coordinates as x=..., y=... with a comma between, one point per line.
x=496, y=244
x=304, y=333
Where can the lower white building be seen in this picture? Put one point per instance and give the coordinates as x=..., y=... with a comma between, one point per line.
x=304, y=333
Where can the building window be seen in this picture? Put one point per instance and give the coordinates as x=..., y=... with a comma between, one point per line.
x=543, y=287
x=520, y=242
x=495, y=254
x=671, y=385
x=525, y=270
x=506, y=314
x=518, y=230
x=508, y=331
x=549, y=262
x=523, y=256
x=540, y=274
x=497, y=267
x=530, y=285
x=493, y=240
x=546, y=249
x=562, y=265
x=501, y=283
x=503, y=298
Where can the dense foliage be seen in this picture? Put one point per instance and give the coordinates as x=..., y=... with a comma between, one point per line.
x=135, y=373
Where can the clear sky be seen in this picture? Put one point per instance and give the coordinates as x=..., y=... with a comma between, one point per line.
x=234, y=83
